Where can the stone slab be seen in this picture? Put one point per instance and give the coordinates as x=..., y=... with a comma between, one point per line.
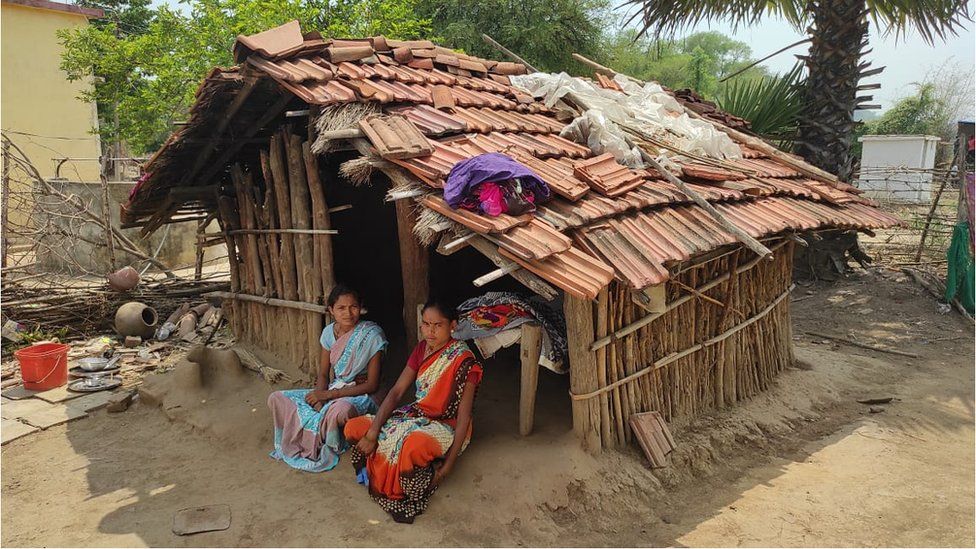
x=194, y=520
x=18, y=393
x=91, y=402
x=12, y=429
x=17, y=409
x=56, y=414
x=59, y=394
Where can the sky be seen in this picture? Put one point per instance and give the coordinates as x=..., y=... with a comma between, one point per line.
x=906, y=59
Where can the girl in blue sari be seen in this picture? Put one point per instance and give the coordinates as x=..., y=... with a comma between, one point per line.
x=308, y=423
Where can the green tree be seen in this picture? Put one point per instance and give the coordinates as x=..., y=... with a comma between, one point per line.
x=839, y=33
x=151, y=76
x=543, y=32
x=696, y=61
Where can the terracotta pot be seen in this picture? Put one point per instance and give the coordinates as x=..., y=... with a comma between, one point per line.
x=123, y=279
x=136, y=319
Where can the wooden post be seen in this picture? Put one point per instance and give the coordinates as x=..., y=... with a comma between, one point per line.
x=531, y=348
x=582, y=370
x=198, y=264
x=106, y=214
x=309, y=283
x=5, y=199
x=602, y=323
x=414, y=266
x=320, y=219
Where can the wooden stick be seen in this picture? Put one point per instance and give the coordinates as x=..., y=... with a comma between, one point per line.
x=496, y=274
x=508, y=52
x=727, y=225
x=284, y=231
x=274, y=302
x=530, y=280
x=862, y=345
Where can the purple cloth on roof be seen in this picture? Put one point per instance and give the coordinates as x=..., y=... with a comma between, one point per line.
x=467, y=174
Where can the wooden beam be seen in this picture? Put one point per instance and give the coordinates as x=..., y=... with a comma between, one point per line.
x=508, y=52
x=273, y=302
x=529, y=280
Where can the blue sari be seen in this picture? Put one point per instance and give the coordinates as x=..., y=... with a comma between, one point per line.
x=309, y=439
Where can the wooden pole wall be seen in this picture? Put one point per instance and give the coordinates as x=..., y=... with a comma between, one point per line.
x=283, y=191
x=749, y=352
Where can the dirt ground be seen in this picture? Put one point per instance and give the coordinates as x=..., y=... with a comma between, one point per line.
x=802, y=465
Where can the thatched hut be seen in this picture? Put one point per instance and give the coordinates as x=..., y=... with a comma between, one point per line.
x=674, y=271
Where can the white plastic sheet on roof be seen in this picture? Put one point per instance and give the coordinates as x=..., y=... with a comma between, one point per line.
x=649, y=108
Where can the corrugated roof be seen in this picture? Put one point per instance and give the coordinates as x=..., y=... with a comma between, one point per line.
x=605, y=220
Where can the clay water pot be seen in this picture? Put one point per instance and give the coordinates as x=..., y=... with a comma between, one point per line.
x=123, y=279
x=136, y=319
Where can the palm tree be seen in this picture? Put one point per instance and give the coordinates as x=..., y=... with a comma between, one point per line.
x=839, y=37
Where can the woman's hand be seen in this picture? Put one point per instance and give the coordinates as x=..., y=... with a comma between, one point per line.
x=440, y=472
x=318, y=397
x=367, y=444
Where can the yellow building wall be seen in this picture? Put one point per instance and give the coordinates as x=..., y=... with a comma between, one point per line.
x=36, y=98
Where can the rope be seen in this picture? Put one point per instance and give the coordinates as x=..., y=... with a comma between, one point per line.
x=674, y=357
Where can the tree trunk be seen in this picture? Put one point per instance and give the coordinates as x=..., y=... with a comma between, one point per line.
x=839, y=34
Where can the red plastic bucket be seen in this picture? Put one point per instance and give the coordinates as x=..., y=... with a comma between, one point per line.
x=43, y=366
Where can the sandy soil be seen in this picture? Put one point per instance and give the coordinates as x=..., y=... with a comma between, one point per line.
x=801, y=465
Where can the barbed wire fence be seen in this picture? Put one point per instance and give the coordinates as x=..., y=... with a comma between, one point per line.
x=926, y=201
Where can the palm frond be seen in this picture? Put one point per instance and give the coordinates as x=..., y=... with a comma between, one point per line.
x=668, y=17
x=772, y=104
x=930, y=18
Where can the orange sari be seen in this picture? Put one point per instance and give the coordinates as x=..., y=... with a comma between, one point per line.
x=417, y=435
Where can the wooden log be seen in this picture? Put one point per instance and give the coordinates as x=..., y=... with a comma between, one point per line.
x=309, y=282
x=582, y=370
x=279, y=183
x=320, y=219
x=531, y=347
x=414, y=264
x=247, y=218
x=269, y=213
x=310, y=288
x=224, y=209
x=279, y=171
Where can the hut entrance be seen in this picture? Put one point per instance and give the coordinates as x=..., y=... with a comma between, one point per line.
x=366, y=254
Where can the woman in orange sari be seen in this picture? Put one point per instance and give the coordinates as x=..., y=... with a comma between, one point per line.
x=404, y=453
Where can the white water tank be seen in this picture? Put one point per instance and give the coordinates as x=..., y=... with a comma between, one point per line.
x=898, y=168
